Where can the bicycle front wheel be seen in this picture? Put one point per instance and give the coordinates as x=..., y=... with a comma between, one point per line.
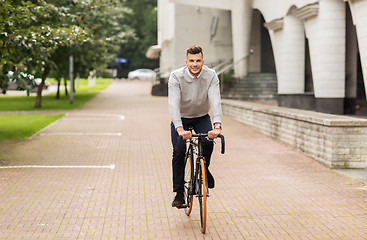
x=202, y=195
x=189, y=172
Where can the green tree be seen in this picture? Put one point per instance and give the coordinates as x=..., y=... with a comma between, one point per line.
x=29, y=33
x=143, y=19
x=105, y=21
x=37, y=37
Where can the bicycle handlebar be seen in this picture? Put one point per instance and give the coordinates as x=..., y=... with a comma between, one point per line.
x=223, y=144
x=200, y=135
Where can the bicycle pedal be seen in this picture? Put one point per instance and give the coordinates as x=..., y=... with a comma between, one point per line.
x=182, y=206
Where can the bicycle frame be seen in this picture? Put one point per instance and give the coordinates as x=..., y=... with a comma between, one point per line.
x=196, y=175
x=196, y=150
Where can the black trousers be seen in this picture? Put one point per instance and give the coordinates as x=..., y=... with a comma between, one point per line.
x=200, y=125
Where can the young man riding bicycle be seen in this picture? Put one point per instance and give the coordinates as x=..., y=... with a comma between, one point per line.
x=192, y=91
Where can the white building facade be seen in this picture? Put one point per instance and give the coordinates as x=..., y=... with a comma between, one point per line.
x=317, y=49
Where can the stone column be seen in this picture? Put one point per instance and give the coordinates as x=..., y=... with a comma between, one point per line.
x=329, y=69
x=291, y=71
x=331, y=50
x=358, y=9
x=241, y=32
x=351, y=66
x=326, y=34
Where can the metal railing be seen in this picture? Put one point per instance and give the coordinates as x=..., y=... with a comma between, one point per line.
x=229, y=66
x=221, y=64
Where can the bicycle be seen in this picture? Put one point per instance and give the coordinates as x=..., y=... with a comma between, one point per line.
x=195, y=181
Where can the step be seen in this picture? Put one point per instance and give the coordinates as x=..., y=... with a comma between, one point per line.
x=254, y=86
x=249, y=96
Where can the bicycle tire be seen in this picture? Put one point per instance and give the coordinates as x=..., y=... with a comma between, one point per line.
x=189, y=172
x=202, y=195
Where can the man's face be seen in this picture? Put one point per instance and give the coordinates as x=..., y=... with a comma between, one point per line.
x=195, y=63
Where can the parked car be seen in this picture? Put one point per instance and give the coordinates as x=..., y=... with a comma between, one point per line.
x=143, y=74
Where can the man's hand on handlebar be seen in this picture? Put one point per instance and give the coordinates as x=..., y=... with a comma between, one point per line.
x=213, y=134
x=185, y=134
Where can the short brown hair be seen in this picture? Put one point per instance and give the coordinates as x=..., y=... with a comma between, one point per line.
x=194, y=49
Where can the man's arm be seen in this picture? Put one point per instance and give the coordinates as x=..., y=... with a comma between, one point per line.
x=174, y=99
x=216, y=107
x=214, y=99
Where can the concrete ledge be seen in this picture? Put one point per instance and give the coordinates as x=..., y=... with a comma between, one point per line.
x=334, y=140
x=160, y=89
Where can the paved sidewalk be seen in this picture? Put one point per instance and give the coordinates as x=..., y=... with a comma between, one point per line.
x=104, y=172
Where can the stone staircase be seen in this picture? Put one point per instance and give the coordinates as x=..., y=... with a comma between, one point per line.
x=255, y=86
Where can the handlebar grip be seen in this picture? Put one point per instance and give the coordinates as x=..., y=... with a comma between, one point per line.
x=223, y=143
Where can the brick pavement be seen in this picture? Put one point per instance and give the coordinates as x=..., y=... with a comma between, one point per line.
x=103, y=172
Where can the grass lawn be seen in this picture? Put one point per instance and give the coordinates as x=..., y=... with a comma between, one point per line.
x=49, y=102
x=24, y=125
x=18, y=126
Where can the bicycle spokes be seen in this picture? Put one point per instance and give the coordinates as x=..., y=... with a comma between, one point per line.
x=188, y=183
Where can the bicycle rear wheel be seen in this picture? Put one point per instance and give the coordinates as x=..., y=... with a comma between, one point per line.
x=189, y=172
x=202, y=195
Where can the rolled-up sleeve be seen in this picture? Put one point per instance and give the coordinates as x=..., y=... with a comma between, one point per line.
x=174, y=98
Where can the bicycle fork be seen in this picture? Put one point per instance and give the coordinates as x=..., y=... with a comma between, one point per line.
x=197, y=179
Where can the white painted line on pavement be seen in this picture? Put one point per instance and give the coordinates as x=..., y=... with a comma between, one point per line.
x=112, y=166
x=97, y=115
x=80, y=134
x=92, y=119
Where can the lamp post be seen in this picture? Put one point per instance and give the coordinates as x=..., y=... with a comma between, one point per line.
x=71, y=75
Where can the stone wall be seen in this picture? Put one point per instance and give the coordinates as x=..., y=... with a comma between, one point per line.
x=334, y=140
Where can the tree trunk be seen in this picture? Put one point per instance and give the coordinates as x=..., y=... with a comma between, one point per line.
x=66, y=86
x=40, y=88
x=39, y=95
x=58, y=87
x=74, y=83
